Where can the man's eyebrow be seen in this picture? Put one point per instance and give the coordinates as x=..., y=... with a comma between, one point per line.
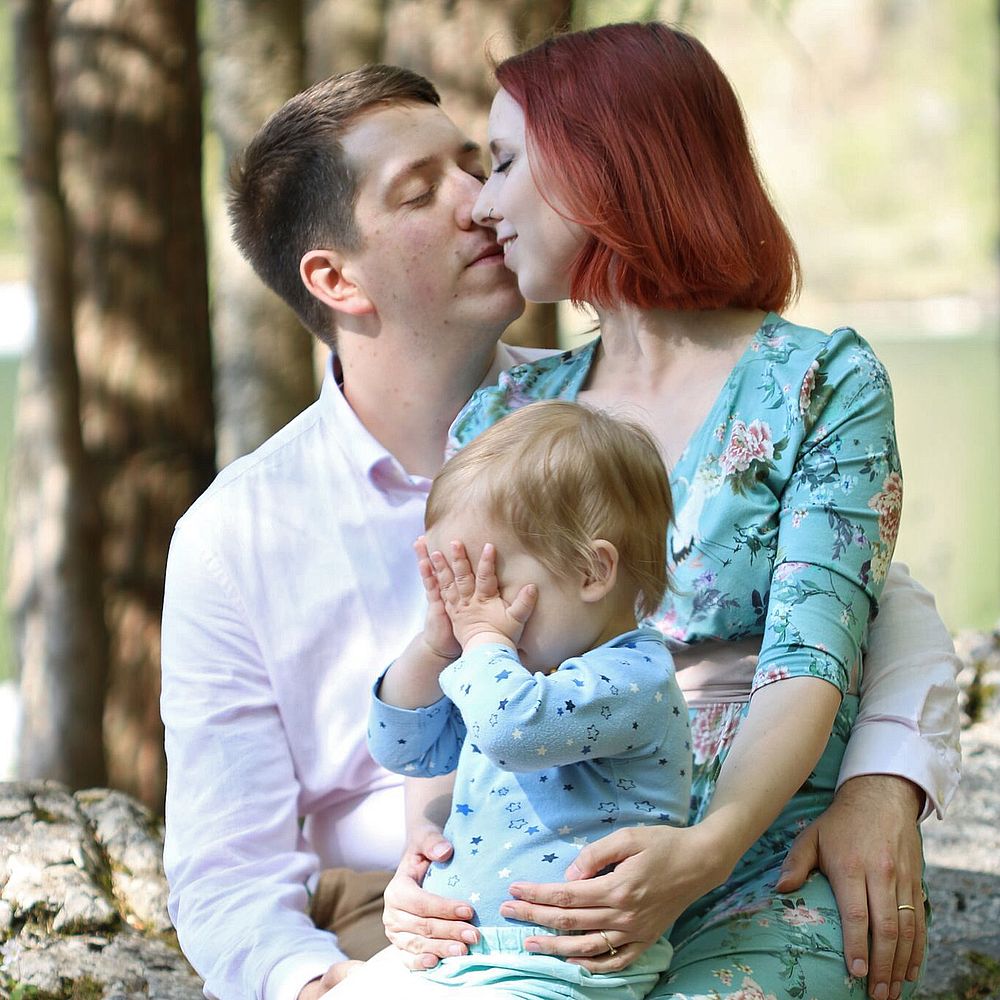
x=414, y=166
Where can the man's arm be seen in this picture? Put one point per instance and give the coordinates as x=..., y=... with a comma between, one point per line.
x=908, y=724
x=234, y=855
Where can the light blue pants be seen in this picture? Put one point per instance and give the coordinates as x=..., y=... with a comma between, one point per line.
x=498, y=961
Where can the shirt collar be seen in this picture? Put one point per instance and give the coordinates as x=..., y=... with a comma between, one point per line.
x=370, y=457
x=381, y=467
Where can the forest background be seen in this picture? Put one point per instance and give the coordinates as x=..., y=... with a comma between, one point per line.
x=138, y=354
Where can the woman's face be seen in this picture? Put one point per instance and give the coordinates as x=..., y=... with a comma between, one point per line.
x=539, y=244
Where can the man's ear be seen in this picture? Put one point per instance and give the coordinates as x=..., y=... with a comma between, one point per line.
x=329, y=277
x=600, y=581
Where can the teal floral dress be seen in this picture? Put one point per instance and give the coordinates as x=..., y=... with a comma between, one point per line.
x=787, y=502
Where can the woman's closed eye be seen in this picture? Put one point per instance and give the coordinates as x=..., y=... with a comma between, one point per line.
x=502, y=166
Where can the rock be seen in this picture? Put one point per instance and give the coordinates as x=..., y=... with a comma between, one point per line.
x=963, y=875
x=83, y=898
x=125, y=965
x=966, y=923
x=132, y=841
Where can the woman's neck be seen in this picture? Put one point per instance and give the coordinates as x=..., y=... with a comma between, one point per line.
x=651, y=342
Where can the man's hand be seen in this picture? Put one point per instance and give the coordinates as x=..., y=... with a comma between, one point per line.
x=868, y=846
x=423, y=926
x=474, y=604
x=337, y=972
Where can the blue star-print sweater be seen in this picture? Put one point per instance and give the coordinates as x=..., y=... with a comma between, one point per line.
x=546, y=762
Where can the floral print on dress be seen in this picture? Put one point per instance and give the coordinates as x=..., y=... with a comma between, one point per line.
x=787, y=503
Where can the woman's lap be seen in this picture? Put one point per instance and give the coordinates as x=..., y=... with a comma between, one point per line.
x=756, y=944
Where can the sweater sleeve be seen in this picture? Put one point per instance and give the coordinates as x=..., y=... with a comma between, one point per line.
x=610, y=702
x=420, y=742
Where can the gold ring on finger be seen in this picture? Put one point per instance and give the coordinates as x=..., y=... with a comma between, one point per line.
x=906, y=906
x=611, y=948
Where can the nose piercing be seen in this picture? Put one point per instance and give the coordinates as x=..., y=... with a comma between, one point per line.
x=491, y=216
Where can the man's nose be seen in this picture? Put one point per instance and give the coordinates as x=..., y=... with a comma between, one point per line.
x=467, y=195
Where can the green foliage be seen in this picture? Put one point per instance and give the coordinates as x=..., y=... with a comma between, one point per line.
x=11, y=262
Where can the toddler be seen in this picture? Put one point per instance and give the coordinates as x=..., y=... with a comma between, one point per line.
x=545, y=540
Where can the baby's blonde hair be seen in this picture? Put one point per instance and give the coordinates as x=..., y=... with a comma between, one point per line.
x=560, y=475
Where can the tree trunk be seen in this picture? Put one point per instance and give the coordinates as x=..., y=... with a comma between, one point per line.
x=341, y=35
x=55, y=571
x=263, y=354
x=443, y=40
x=128, y=95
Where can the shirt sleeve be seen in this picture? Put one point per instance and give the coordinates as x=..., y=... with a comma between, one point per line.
x=610, y=702
x=908, y=723
x=234, y=856
x=418, y=742
x=838, y=518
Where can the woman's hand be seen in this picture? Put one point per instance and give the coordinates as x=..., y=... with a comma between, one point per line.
x=424, y=926
x=659, y=871
x=868, y=846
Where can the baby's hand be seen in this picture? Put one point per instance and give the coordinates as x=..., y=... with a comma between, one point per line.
x=438, y=636
x=478, y=612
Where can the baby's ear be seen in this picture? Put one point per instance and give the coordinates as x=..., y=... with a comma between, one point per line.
x=600, y=580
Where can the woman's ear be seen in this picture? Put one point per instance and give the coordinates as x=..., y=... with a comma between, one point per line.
x=330, y=278
x=600, y=580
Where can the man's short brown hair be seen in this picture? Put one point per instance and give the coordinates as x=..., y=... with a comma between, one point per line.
x=293, y=190
x=559, y=475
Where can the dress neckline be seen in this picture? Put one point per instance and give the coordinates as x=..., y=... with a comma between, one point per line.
x=769, y=322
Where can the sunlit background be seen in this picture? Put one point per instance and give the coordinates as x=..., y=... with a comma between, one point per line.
x=876, y=122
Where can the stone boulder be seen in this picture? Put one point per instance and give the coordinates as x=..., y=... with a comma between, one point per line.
x=83, y=899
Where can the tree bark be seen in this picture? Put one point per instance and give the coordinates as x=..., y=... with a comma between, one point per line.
x=128, y=93
x=444, y=41
x=55, y=572
x=341, y=35
x=263, y=354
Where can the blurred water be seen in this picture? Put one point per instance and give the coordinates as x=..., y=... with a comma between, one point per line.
x=9, y=709
x=17, y=309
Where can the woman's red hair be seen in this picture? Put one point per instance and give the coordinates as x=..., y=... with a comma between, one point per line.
x=638, y=136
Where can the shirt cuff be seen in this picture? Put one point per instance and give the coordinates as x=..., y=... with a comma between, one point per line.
x=896, y=748
x=408, y=721
x=286, y=979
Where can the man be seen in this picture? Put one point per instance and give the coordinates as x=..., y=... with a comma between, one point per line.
x=290, y=583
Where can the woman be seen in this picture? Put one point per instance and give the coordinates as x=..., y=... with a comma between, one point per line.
x=643, y=199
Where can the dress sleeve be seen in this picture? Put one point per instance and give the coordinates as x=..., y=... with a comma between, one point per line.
x=613, y=702
x=838, y=518
x=908, y=723
x=233, y=854
x=418, y=742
